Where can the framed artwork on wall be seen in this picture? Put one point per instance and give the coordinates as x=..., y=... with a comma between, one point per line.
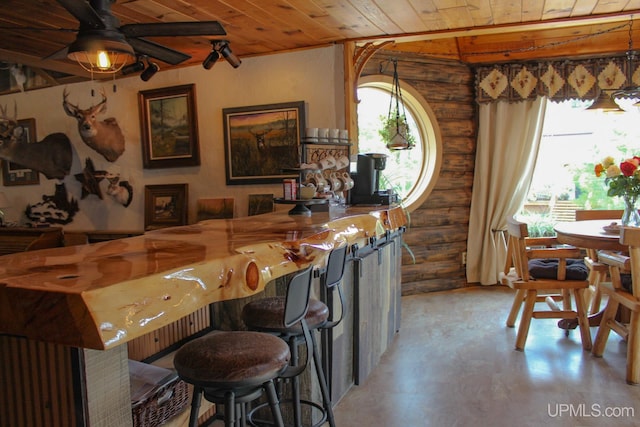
x=262, y=143
x=15, y=174
x=165, y=205
x=260, y=203
x=169, y=127
x=222, y=208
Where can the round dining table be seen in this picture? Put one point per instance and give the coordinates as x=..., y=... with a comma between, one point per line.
x=589, y=234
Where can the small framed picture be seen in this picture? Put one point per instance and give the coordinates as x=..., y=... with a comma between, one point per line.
x=165, y=205
x=169, y=127
x=222, y=208
x=260, y=203
x=15, y=174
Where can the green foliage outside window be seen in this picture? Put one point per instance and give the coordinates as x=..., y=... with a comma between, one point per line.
x=574, y=141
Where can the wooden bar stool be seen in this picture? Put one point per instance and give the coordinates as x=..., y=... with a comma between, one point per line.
x=331, y=281
x=231, y=368
x=264, y=314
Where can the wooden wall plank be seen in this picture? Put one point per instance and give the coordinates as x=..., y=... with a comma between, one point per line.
x=38, y=387
x=149, y=344
x=437, y=234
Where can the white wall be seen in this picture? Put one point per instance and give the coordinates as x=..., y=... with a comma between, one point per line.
x=314, y=76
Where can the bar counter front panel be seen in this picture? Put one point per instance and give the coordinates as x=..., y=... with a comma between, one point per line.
x=94, y=298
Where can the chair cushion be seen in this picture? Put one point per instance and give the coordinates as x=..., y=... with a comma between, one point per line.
x=232, y=359
x=548, y=269
x=266, y=314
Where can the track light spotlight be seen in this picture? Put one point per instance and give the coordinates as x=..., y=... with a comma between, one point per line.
x=211, y=59
x=133, y=68
x=225, y=50
x=222, y=48
x=150, y=71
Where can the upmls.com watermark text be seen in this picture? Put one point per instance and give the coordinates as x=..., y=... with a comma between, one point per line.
x=595, y=410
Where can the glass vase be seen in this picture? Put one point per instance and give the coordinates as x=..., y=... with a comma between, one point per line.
x=630, y=216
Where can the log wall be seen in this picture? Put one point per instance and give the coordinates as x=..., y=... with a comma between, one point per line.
x=438, y=229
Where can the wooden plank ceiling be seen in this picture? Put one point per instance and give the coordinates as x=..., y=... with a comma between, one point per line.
x=473, y=31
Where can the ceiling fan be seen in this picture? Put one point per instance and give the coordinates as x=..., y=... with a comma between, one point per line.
x=100, y=29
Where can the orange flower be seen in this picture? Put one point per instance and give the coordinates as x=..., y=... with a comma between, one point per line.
x=599, y=169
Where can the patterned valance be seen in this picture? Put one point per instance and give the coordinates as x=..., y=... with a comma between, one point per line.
x=558, y=80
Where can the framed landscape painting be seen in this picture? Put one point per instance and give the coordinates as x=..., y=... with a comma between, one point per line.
x=262, y=143
x=169, y=127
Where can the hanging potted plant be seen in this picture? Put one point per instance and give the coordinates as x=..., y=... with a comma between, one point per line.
x=395, y=131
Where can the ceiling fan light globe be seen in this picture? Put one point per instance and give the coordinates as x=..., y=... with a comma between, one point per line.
x=99, y=54
x=102, y=60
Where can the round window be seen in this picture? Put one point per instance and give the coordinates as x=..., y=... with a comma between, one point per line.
x=410, y=173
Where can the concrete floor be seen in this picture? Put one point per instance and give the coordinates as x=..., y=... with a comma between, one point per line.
x=454, y=364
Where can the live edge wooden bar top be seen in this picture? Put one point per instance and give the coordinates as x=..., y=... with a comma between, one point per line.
x=102, y=295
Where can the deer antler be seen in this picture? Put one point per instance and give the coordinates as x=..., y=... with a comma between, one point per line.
x=69, y=108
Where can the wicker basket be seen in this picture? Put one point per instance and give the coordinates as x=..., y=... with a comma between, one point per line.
x=169, y=398
x=166, y=404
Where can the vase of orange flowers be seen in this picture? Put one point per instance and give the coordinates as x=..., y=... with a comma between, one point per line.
x=623, y=181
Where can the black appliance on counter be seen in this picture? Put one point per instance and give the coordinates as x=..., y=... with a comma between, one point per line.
x=366, y=178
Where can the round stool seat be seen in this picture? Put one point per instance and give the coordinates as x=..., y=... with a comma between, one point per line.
x=232, y=359
x=266, y=314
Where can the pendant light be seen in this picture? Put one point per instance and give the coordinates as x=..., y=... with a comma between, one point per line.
x=605, y=103
x=396, y=124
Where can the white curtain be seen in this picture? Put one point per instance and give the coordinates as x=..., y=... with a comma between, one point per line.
x=508, y=142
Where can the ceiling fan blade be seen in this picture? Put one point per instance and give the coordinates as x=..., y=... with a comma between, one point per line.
x=157, y=51
x=174, y=29
x=58, y=54
x=84, y=13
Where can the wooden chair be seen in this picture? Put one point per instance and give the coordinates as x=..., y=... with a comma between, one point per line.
x=618, y=296
x=589, y=214
x=597, y=271
x=529, y=289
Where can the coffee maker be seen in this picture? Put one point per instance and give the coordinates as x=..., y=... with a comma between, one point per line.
x=366, y=178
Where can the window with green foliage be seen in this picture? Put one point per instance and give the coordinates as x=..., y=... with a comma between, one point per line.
x=574, y=141
x=409, y=172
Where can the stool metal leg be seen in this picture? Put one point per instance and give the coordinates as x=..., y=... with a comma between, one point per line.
x=243, y=415
x=195, y=406
x=239, y=415
x=295, y=384
x=272, y=397
x=325, y=339
x=323, y=383
x=229, y=409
